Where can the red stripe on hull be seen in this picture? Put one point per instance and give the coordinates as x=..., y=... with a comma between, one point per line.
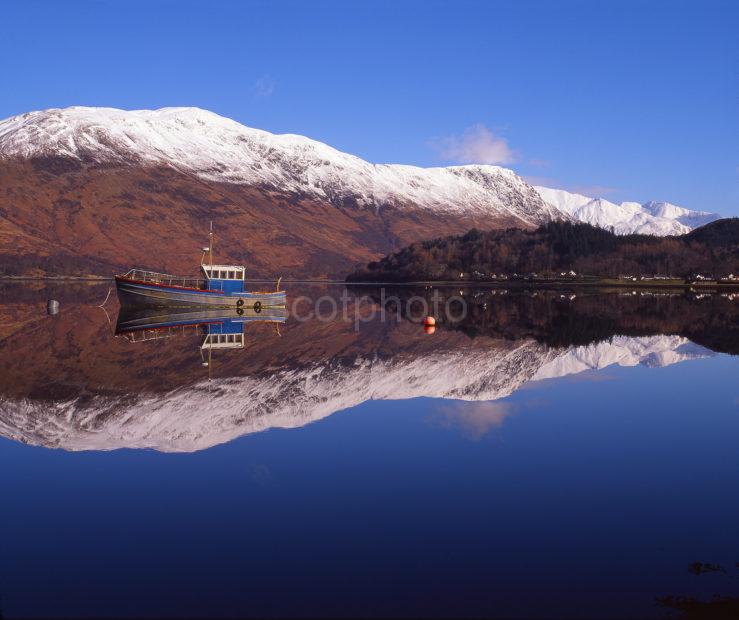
x=169, y=286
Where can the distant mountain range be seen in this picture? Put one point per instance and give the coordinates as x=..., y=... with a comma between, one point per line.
x=650, y=218
x=100, y=189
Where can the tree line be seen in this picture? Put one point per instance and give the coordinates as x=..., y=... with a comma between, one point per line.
x=560, y=248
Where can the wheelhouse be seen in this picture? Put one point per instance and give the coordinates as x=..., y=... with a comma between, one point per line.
x=223, y=341
x=224, y=335
x=226, y=278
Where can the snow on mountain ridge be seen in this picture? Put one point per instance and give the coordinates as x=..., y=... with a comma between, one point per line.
x=221, y=150
x=650, y=218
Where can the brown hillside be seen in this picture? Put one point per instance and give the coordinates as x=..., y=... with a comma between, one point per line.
x=60, y=216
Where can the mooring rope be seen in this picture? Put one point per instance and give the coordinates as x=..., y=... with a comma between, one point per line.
x=106, y=297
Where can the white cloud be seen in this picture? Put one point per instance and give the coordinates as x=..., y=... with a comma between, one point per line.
x=264, y=87
x=476, y=145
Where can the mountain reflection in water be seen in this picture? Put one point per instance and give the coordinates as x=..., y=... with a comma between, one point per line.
x=75, y=382
x=545, y=454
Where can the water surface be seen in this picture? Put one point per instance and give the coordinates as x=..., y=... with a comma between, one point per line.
x=547, y=455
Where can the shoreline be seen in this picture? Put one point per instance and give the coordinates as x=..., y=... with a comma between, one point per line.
x=519, y=284
x=559, y=284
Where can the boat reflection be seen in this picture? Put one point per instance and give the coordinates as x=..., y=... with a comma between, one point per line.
x=218, y=329
x=222, y=328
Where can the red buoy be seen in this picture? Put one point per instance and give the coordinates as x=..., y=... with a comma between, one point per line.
x=429, y=320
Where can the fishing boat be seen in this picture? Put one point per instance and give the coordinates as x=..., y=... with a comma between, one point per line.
x=220, y=286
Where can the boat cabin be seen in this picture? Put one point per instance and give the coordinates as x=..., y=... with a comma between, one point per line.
x=226, y=278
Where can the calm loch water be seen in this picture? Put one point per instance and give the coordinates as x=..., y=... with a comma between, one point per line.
x=551, y=455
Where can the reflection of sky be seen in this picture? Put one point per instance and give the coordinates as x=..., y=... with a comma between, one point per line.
x=584, y=495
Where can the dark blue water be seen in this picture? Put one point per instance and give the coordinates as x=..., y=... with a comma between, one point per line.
x=586, y=495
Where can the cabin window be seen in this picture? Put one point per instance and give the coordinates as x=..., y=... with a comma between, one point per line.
x=224, y=274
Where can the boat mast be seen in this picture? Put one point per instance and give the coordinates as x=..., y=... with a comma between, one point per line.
x=210, y=245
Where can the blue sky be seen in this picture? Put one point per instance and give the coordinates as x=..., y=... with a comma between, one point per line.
x=628, y=100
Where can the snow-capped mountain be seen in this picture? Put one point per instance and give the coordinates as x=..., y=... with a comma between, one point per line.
x=218, y=149
x=651, y=218
x=207, y=414
x=96, y=190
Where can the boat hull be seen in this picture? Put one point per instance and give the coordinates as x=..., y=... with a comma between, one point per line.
x=136, y=293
